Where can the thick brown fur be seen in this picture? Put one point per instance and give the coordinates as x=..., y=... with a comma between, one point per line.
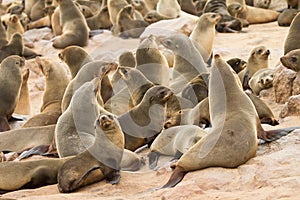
x=292, y=38
x=291, y=60
x=74, y=27
x=23, y=106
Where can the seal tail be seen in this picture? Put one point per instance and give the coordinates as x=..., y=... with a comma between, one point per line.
x=272, y=135
x=175, y=178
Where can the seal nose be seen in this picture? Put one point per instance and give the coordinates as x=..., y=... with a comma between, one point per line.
x=268, y=52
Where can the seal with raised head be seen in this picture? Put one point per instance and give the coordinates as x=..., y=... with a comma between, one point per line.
x=203, y=34
x=188, y=62
x=142, y=123
x=237, y=64
x=14, y=47
x=74, y=26
x=23, y=106
x=10, y=87
x=228, y=144
x=292, y=38
x=151, y=62
x=291, y=60
x=57, y=80
x=100, y=161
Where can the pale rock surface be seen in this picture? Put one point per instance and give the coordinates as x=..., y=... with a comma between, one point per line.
x=291, y=107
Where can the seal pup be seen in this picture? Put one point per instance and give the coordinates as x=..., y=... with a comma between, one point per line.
x=153, y=16
x=114, y=7
x=75, y=57
x=10, y=87
x=143, y=122
x=228, y=144
x=258, y=59
x=151, y=62
x=169, y=8
x=188, y=62
x=23, y=106
x=74, y=26
x=262, y=79
x=56, y=80
x=100, y=20
x=100, y=161
x=174, y=142
x=127, y=26
x=192, y=7
x=203, y=34
x=292, y=38
x=14, y=26
x=291, y=60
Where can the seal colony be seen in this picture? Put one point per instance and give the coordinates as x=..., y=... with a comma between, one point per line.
x=97, y=123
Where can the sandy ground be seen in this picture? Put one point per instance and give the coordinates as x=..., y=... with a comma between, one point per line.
x=273, y=174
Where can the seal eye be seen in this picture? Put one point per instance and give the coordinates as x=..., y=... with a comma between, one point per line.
x=149, y=17
x=213, y=15
x=259, y=51
x=293, y=59
x=17, y=63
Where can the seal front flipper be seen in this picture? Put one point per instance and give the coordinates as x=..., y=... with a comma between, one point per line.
x=153, y=158
x=113, y=177
x=38, y=150
x=175, y=178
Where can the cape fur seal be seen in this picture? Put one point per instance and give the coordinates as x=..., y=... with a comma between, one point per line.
x=74, y=26
x=151, y=62
x=291, y=60
x=292, y=38
x=142, y=123
x=10, y=86
x=100, y=161
x=23, y=106
x=228, y=144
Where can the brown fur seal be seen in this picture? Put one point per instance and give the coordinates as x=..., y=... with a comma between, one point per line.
x=174, y=141
x=255, y=15
x=153, y=16
x=27, y=138
x=10, y=86
x=262, y=79
x=237, y=64
x=228, y=144
x=197, y=89
x=86, y=73
x=128, y=26
x=74, y=26
x=14, y=47
x=100, y=161
x=23, y=105
x=235, y=9
x=3, y=35
x=227, y=23
x=100, y=20
x=143, y=122
x=292, y=38
x=127, y=59
x=188, y=62
x=14, y=26
x=192, y=7
x=262, y=3
x=265, y=114
x=141, y=6
x=291, y=60
x=29, y=174
x=204, y=33
x=136, y=83
x=286, y=17
x=258, y=59
x=114, y=7
x=168, y=8
x=151, y=62
x=56, y=79
x=76, y=125
x=75, y=57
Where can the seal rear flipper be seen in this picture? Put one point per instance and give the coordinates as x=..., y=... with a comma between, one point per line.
x=113, y=177
x=4, y=125
x=38, y=150
x=153, y=158
x=175, y=178
x=272, y=135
